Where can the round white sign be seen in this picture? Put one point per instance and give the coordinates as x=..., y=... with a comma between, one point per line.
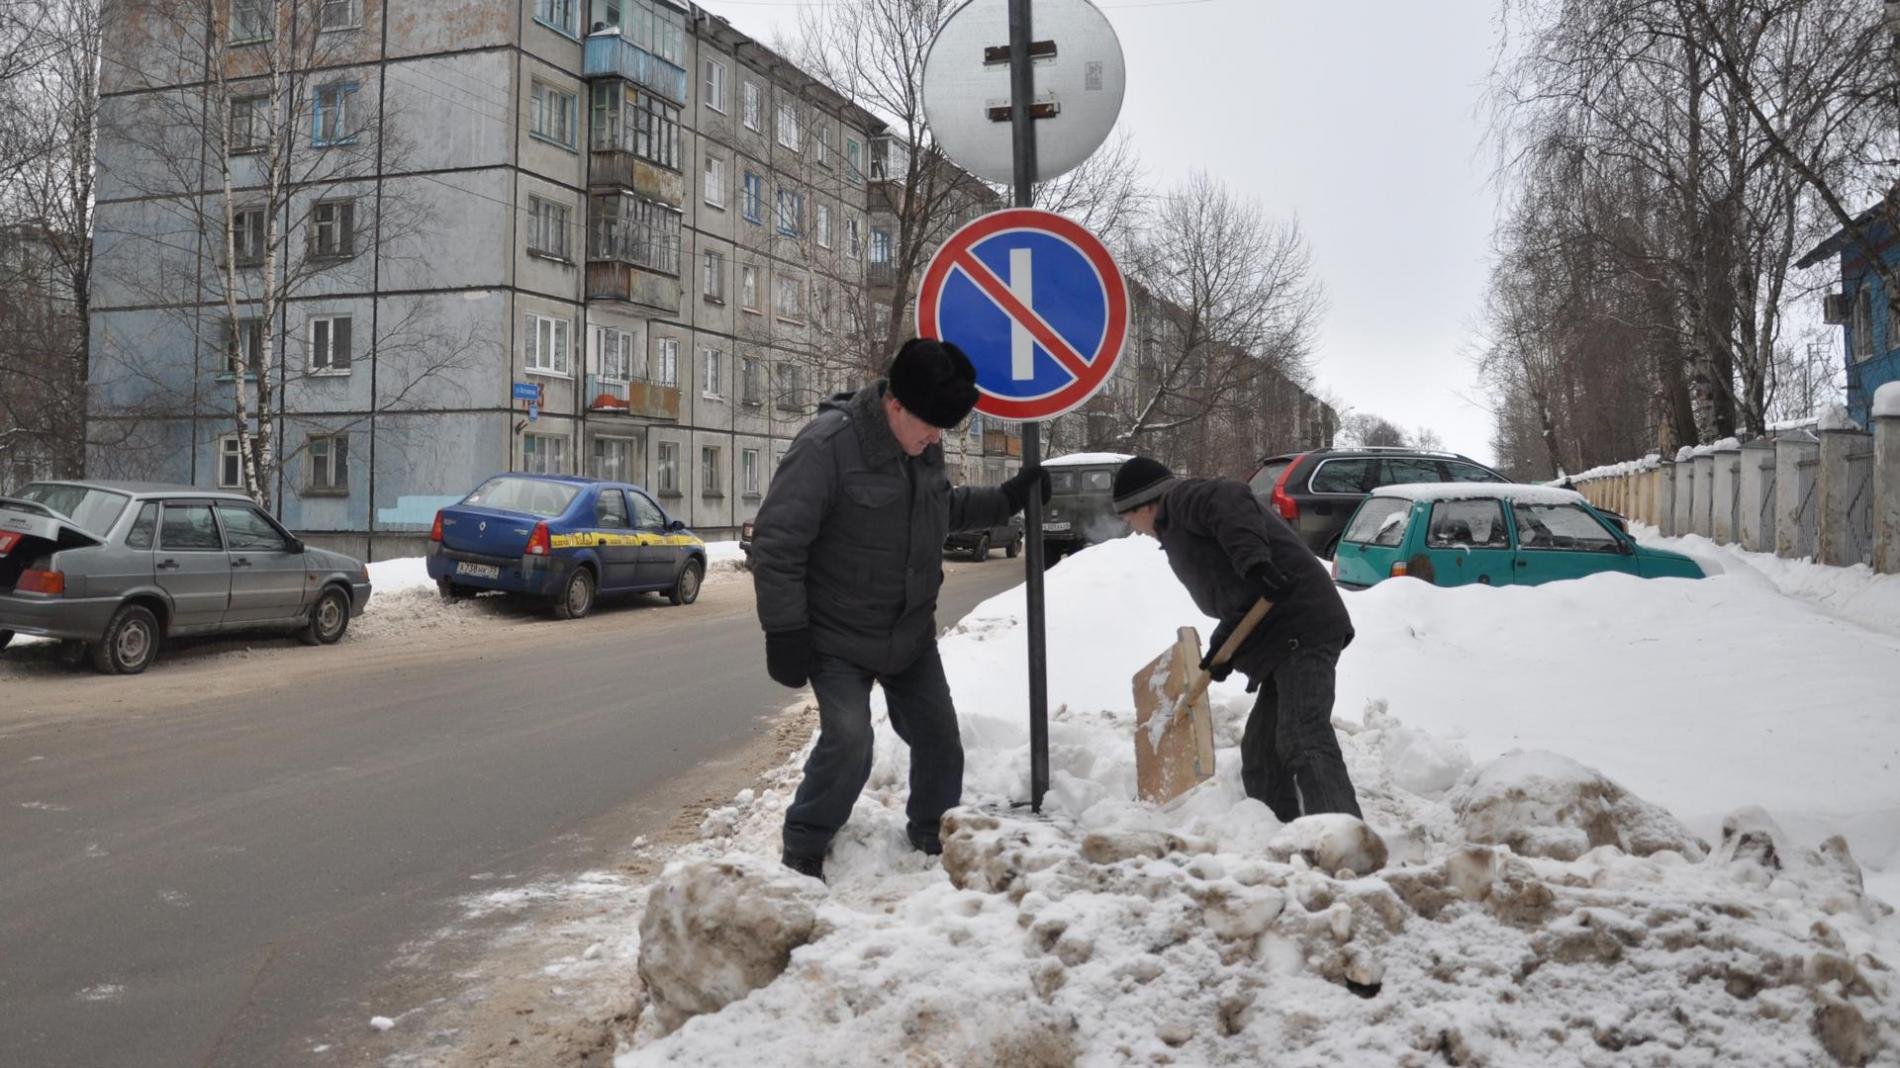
x=1079, y=81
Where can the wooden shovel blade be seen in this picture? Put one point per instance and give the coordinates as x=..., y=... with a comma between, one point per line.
x=1174, y=748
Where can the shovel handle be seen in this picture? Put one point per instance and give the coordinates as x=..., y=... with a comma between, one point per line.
x=1228, y=648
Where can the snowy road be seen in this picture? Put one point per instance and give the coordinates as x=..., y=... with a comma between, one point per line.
x=219, y=862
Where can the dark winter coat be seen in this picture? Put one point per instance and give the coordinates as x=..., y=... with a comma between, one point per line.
x=849, y=539
x=1215, y=532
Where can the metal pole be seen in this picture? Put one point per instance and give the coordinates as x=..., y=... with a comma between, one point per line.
x=1022, y=89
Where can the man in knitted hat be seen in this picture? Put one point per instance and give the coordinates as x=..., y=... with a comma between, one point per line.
x=847, y=558
x=1230, y=551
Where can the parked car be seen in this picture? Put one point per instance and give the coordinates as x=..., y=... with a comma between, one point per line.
x=978, y=543
x=565, y=539
x=1081, y=509
x=1457, y=534
x=1317, y=491
x=121, y=567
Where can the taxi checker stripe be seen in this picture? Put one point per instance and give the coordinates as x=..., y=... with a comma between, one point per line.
x=997, y=290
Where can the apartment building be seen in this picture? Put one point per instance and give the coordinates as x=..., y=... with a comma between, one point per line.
x=619, y=238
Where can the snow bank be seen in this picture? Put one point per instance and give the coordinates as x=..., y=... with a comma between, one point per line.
x=1887, y=401
x=1835, y=417
x=1109, y=931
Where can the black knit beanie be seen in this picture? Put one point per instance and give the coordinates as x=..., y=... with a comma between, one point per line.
x=1140, y=481
x=934, y=381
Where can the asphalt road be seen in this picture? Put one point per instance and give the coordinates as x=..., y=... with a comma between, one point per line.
x=198, y=864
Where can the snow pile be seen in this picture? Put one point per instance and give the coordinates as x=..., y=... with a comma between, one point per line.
x=403, y=599
x=1855, y=594
x=1835, y=417
x=1111, y=931
x=723, y=556
x=1887, y=401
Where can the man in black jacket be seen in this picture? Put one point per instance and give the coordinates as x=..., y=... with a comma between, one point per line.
x=1229, y=552
x=847, y=558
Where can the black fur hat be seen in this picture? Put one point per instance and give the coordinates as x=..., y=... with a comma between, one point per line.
x=934, y=381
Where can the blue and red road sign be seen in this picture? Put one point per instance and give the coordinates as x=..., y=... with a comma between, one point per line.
x=1037, y=303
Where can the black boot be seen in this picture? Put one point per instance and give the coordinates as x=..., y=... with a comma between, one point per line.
x=927, y=844
x=805, y=865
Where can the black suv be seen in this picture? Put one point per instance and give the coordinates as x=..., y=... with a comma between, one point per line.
x=1316, y=492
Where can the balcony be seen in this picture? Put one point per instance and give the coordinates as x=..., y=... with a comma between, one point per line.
x=609, y=55
x=616, y=168
x=881, y=274
x=630, y=284
x=1001, y=443
x=633, y=398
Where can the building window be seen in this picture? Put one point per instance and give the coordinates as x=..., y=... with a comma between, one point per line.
x=1861, y=336
x=230, y=462
x=547, y=345
x=557, y=15
x=658, y=28
x=338, y=15
x=330, y=119
x=749, y=112
x=822, y=135
x=330, y=345
x=854, y=160
x=709, y=481
x=753, y=205
x=666, y=462
x=791, y=299
x=327, y=462
x=791, y=212
x=788, y=125
x=880, y=245
x=247, y=236
x=612, y=459
x=824, y=226
x=555, y=114
x=976, y=428
x=246, y=342
x=632, y=230
x=749, y=471
x=544, y=454
x=250, y=124
x=785, y=383
x=853, y=237
x=712, y=373
x=547, y=228
x=251, y=20
x=613, y=351
x=749, y=288
x=667, y=360
x=625, y=120
x=715, y=91
x=751, y=384
x=333, y=229
x=715, y=182
x=713, y=276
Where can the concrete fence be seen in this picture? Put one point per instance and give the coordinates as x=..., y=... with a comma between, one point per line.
x=1831, y=493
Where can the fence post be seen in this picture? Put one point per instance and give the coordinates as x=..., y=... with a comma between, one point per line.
x=1758, y=496
x=1702, y=517
x=1684, y=520
x=1662, y=501
x=1887, y=478
x=1724, y=494
x=1797, y=459
x=1835, y=488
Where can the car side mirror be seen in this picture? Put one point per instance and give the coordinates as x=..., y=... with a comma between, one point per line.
x=1626, y=546
x=294, y=545
x=675, y=526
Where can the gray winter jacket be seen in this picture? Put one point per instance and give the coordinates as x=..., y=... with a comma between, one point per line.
x=849, y=539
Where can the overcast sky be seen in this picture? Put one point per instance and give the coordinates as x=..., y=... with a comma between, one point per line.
x=1360, y=120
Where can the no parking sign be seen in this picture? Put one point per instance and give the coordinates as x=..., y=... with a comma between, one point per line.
x=1037, y=303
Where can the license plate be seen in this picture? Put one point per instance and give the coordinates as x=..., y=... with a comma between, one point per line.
x=1055, y=526
x=488, y=571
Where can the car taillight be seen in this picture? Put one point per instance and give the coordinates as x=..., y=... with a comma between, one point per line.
x=1288, y=508
x=538, y=543
x=435, y=532
x=34, y=580
x=1399, y=570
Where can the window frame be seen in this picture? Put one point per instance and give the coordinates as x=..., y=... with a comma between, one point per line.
x=572, y=7
x=255, y=108
x=549, y=218
x=712, y=373
x=752, y=199
x=1501, y=543
x=712, y=275
x=341, y=133
x=713, y=182
x=331, y=453
x=749, y=473
x=541, y=95
x=667, y=356
x=559, y=359
x=752, y=106
x=710, y=484
x=783, y=284
x=749, y=288
x=344, y=224
x=263, y=31
x=354, y=9
x=751, y=382
x=822, y=223
x=545, y=445
x=786, y=118
x=789, y=212
x=231, y=451
x=713, y=89
x=329, y=367
x=666, y=461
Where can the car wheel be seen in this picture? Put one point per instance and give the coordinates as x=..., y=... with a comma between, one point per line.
x=577, y=598
x=1015, y=547
x=6, y=638
x=450, y=591
x=686, y=590
x=982, y=550
x=131, y=641
x=329, y=619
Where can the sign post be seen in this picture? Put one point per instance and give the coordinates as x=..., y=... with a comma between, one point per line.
x=1035, y=300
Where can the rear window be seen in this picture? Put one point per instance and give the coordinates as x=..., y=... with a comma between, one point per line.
x=1380, y=521
x=1473, y=524
x=1096, y=481
x=529, y=495
x=91, y=510
x=1268, y=477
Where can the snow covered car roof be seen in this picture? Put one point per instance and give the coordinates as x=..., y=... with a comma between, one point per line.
x=1078, y=459
x=1452, y=491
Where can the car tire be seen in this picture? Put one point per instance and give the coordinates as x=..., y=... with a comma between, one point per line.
x=6, y=638
x=451, y=591
x=981, y=551
x=329, y=619
x=577, y=595
x=130, y=643
x=1015, y=547
x=686, y=588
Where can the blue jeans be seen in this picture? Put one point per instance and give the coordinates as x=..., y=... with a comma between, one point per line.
x=918, y=698
x=1289, y=755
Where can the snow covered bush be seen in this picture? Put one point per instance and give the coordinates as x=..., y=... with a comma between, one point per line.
x=1543, y=804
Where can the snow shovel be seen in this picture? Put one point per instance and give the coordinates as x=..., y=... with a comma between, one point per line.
x=1174, y=728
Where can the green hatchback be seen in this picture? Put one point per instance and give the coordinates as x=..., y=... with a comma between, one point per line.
x=1459, y=534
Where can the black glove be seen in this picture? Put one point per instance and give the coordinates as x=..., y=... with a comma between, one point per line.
x=1218, y=672
x=1017, y=488
x=788, y=656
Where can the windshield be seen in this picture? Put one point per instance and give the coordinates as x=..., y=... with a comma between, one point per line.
x=91, y=510
x=529, y=495
x=1085, y=480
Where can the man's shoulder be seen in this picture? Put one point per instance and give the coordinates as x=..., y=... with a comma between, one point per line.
x=825, y=425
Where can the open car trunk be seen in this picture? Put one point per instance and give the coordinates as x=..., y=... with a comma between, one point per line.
x=29, y=533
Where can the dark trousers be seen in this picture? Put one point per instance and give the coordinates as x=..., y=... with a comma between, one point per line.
x=1289, y=755
x=919, y=701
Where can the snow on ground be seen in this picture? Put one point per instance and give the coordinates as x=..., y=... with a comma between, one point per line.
x=1112, y=932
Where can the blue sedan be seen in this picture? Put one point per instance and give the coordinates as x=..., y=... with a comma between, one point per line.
x=565, y=539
